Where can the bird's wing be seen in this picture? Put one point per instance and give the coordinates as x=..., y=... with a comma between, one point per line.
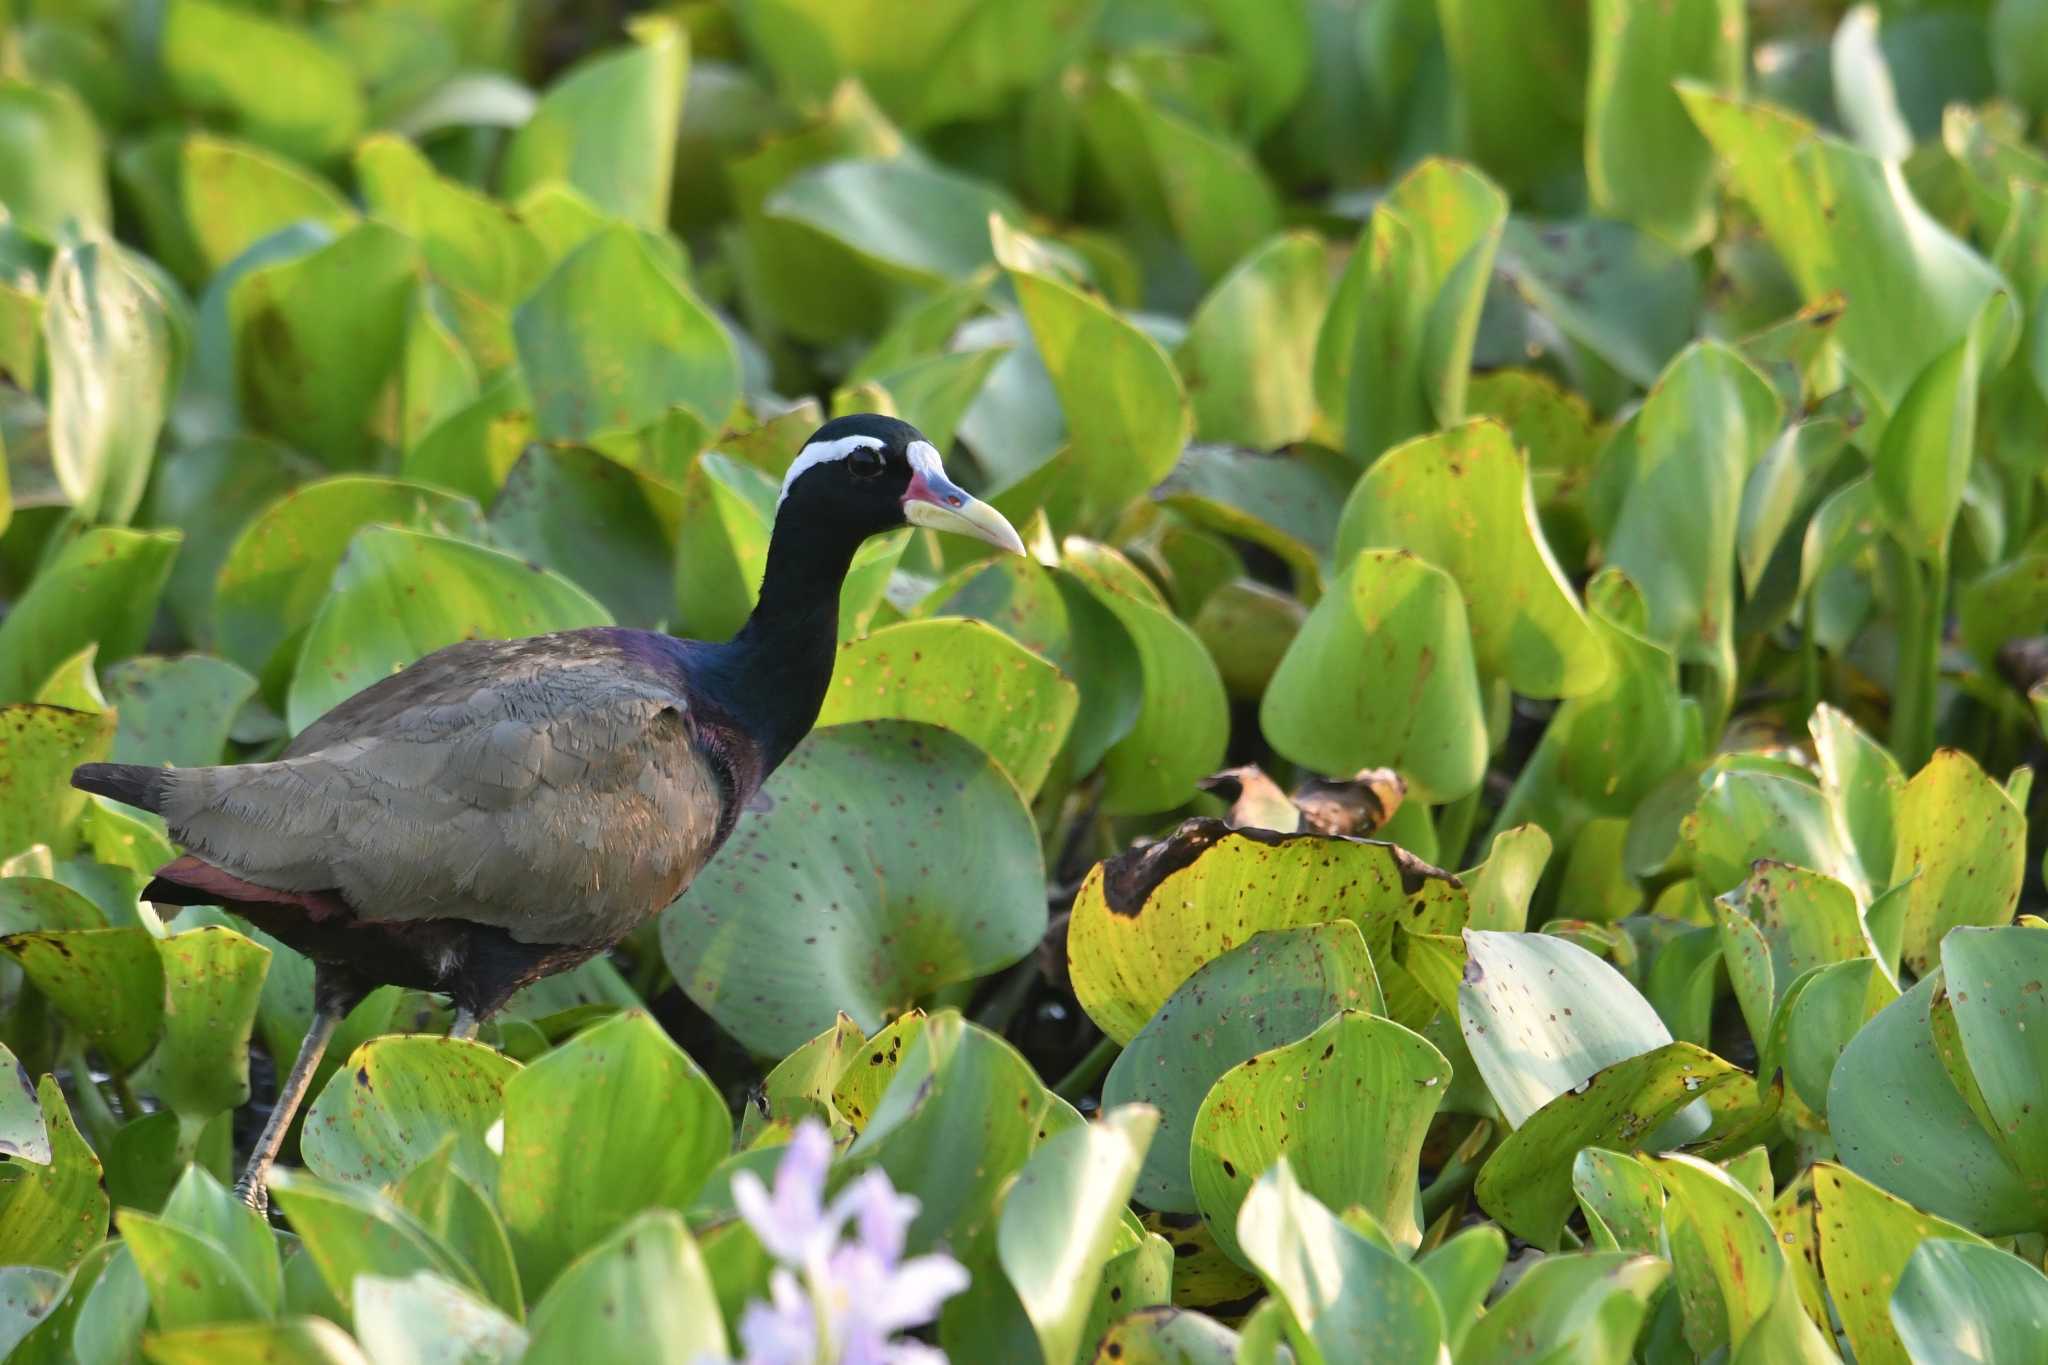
x=553, y=787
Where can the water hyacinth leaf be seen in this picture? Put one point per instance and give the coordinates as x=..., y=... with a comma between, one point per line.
x=102, y=588
x=106, y=983
x=907, y=218
x=1787, y=921
x=801, y=1085
x=961, y=1114
x=650, y=1126
x=861, y=1087
x=607, y=528
x=934, y=394
x=23, y=1134
x=52, y=163
x=288, y=1341
x=1954, y=1293
x=1169, y=1336
x=1126, y=414
x=202, y=1206
x=111, y=362
x=272, y=81
x=450, y=1206
x=1898, y=1122
x=39, y=746
x=31, y=1297
x=1646, y=162
x=1861, y=780
x=1348, y=1298
x=213, y=490
x=1867, y=1237
x=1300, y=1101
x=1818, y=1016
x=1144, y=922
x=886, y=918
x=1845, y=223
x=587, y=334
x=1639, y=1101
x=1966, y=840
x=1394, y=355
x=351, y=1231
x=231, y=195
x=1622, y=1200
x=965, y=676
x=1781, y=489
x=721, y=545
x=193, y=1280
x=1060, y=1220
x=1461, y=1272
x=467, y=239
x=643, y=1293
x=1542, y=1015
x=1460, y=500
x=1249, y=358
x=1276, y=988
x=1923, y=457
x=1681, y=473
x=424, y=1318
x=1622, y=294
x=1740, y=1249
x=1747, y=814
x=52, y=1214
x=1287, y=503
x=1996, y=979
x=1183, y=716
x=213, y=978
x=396, y=1100
x=1589, y=1307
x=175, y=710
x=1382, y=675
x=374, y=621
x=608, y=127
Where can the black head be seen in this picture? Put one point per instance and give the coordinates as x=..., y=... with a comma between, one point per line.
x=868, y=473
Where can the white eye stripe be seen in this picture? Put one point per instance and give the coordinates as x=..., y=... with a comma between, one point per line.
x=924, y=459
x=821, y=452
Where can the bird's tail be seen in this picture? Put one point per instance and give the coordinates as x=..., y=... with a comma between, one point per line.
x=132, y=784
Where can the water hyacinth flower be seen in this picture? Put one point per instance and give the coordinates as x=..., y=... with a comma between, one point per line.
x=836, y=1299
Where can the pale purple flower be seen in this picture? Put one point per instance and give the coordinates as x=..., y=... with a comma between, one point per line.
x=835, y=1302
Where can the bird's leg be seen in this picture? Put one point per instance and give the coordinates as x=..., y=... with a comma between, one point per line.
x=327, y=1013
x=466, y=1023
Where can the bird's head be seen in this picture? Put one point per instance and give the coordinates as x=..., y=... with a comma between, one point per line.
x=874, y=473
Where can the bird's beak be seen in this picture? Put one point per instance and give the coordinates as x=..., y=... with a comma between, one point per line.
x=934, y=500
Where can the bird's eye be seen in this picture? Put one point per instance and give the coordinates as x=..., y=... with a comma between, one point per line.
x=865, y=462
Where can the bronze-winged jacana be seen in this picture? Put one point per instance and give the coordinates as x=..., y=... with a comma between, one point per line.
x=505, y=809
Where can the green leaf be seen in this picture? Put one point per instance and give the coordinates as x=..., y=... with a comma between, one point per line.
x=1786, y=921
x=424, y=1318
x=1645, y=161
x=350, y=1231
x=1289, y=504
x=1248, y=362
x=909, y=220
x=1349, y=1299
x=1183, y=715
x=1996, y=985
x=1923, y=457
x=1622, y=1201
x=108, y=338
x=461, y=1216
x=375, y=621
x=1169, y=1336
x=1621, y=294
x=1301, y=1101
x=288, y=1341
x=1395, y=352
x=615, y=1121
x=213, y=978
x=394, y=1103
x=966, y=677
x=1861, y=780
x=1585, y=1308
x=101, y=588
x=1639, y=1101
x=107, y=983
x=193, y=1280
x=39, y=747
x=1966, y=840
x=1746, y=814
x=52, y=1214
x=643, y=1294
x=468, y=240
x=1866, y=1240
x=1460, y=500
x=1818, y=1016
x=30, y=1297
x=608, y=127
x=1733, y=1246
x=613, y=339
x=1845, y=223
x=608, y=529
x=23, y=1134
x=1059, y=1219
x=318, y=339
x=1276, y=988
x=175, y=711
x=1382, y=674
x=53, y=167
x=1126, y=414
x=933, y=878
x=1987, y=1304
x=276, y=577
x=1146, y=921
x=1899, y=1122
x=231, y=195
x=274, y=82
x=962, y=1112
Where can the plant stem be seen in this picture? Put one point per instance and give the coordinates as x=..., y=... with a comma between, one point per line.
x=1809, y=662
x=1454, y=828
x=1912, y=730
x=1087, y=1071
x=99, y=1120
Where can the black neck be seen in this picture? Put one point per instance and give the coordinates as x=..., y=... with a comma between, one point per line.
x=776, y=670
